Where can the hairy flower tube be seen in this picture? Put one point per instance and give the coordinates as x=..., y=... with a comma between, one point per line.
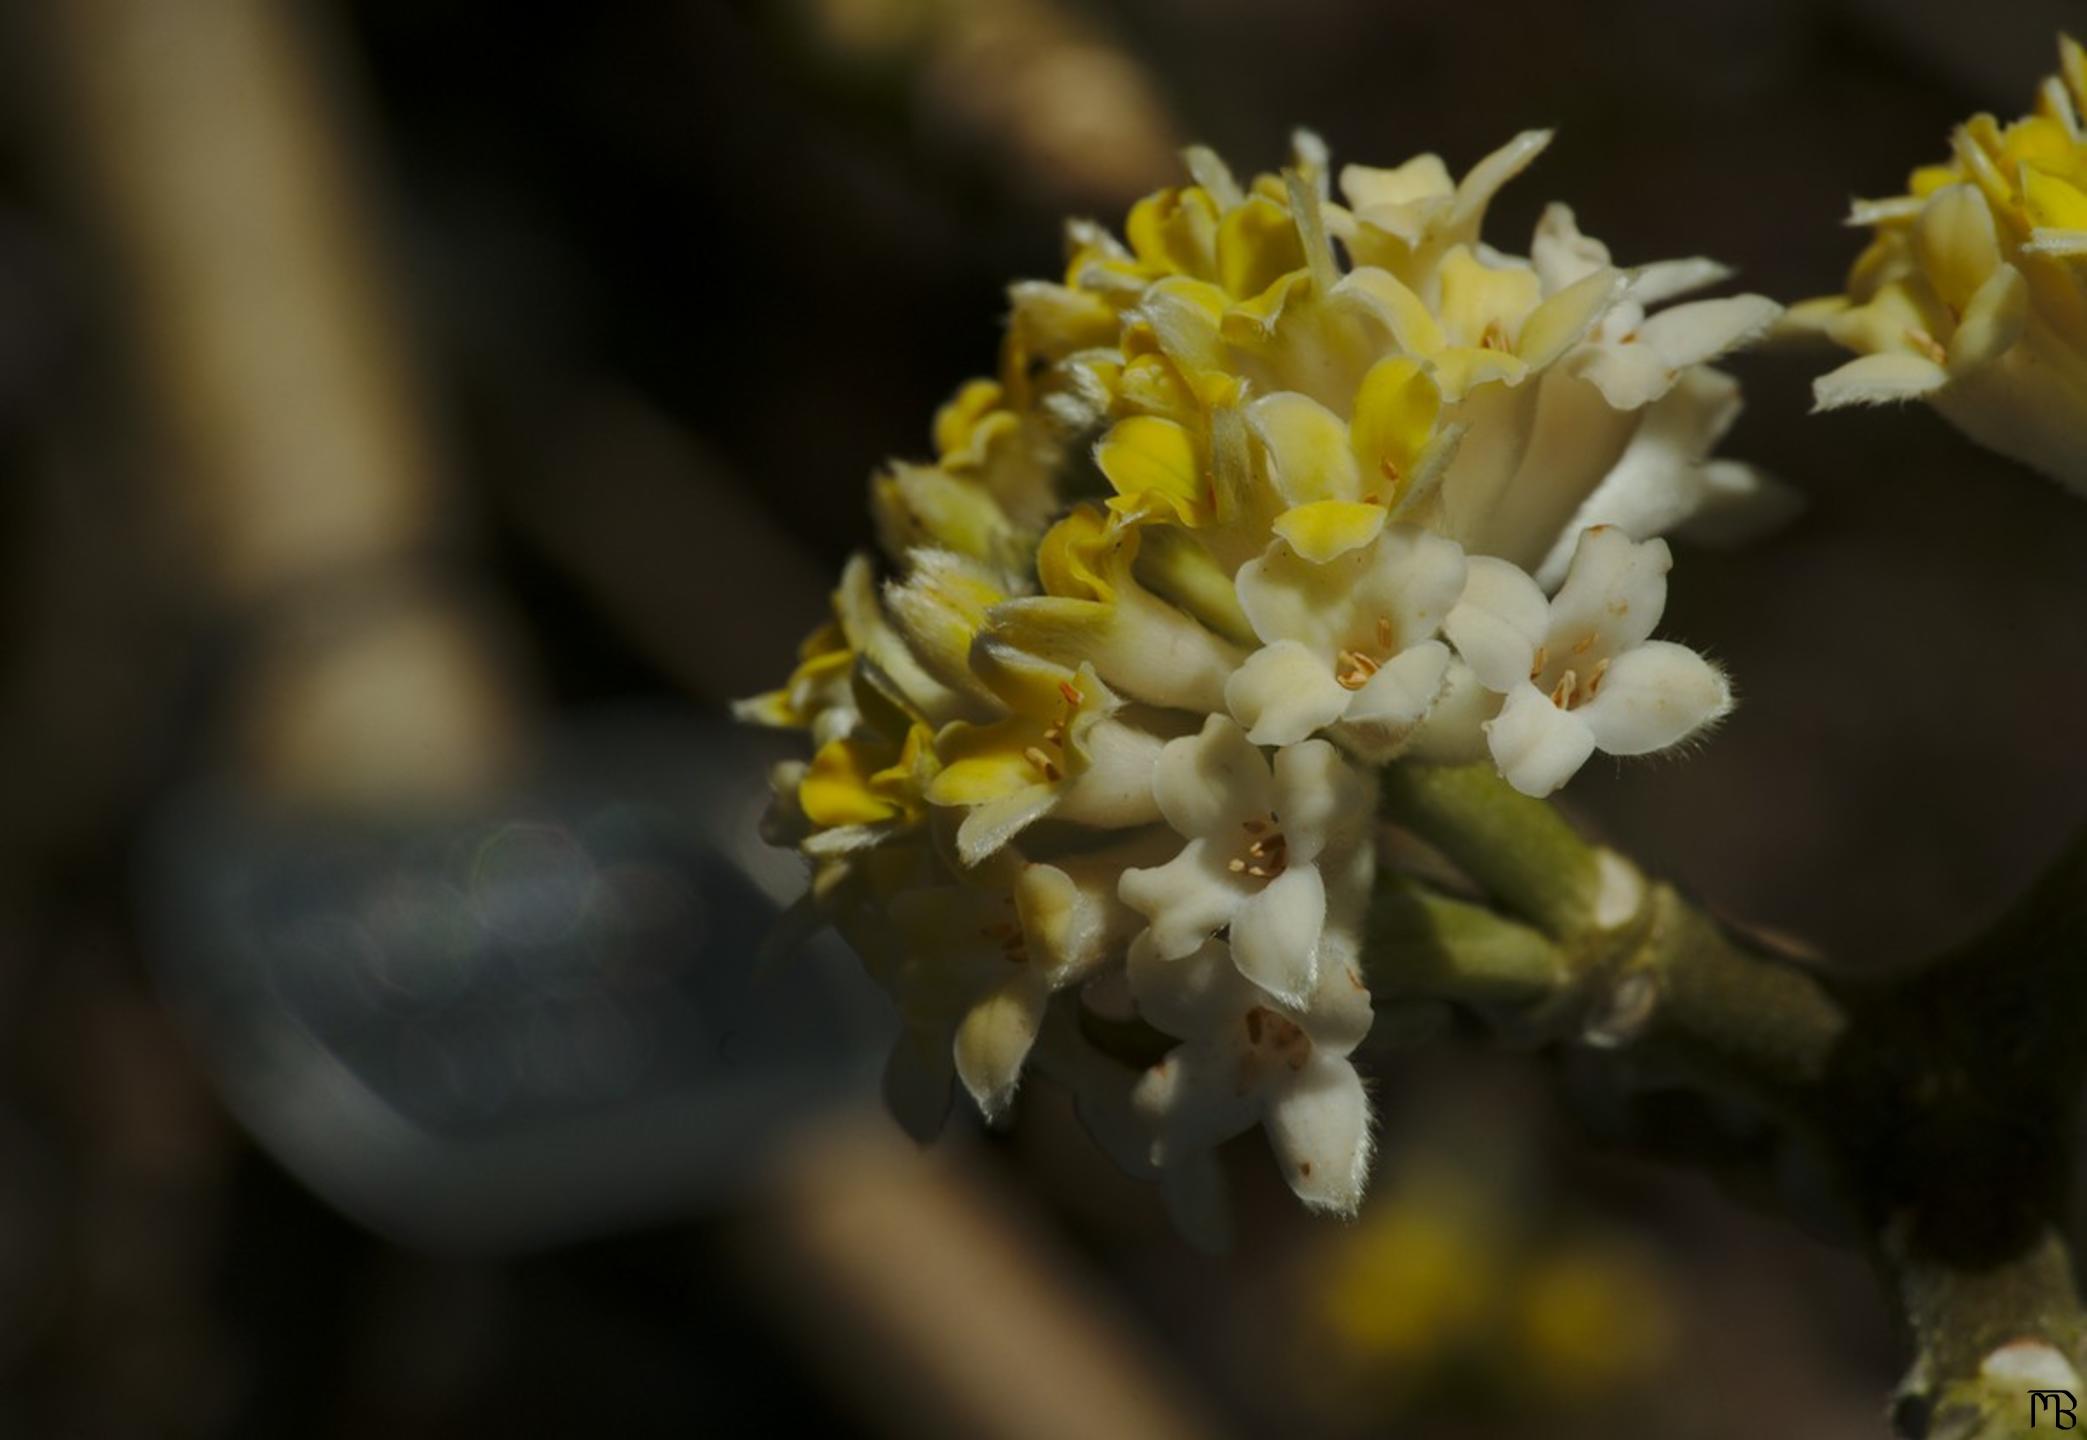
x=1295, y=479
x=1973, y=293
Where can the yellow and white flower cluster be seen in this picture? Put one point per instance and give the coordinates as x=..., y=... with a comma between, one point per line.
x=1973, y=295
x=1273, y=491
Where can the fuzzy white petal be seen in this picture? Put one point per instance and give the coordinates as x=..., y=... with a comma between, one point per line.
x=1209, y=782
x=990, y=826
x=1453, y=733
x=1614, y=592
x=1283, y=693
x=1536, y=745
x=1190, y=1101
x=1319, y=1126
x=1880, y=379
x=1383, y=715
x=1654, y=696
x=1187, y=995
x=1275, y=934
x=1115, y=789
x=1498, y=623
x=994, y=1038
x=1187, y=900
x=1316, y=795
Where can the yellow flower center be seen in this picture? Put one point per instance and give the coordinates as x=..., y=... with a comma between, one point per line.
x=1571, y=689
x=1267, y=851
x=1353, y=667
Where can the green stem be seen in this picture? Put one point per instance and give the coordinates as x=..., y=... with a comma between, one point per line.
x=1945, y=1102
x=1519, y=850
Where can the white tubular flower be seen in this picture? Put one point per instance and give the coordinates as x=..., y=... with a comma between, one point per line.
x=1347, y=643
x=1631, y=356
x=1058, y=751
x=1249, y=510
x=1247, y=1057
x=1256, y=840
x=1578, y=671
x=975, y=966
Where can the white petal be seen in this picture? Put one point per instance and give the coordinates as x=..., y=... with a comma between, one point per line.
x=1384, y=713
x=1070, y=910
x=1211, y=781
x=1881, y=379
x=1319, y=1127
x=1283, y=693
x=1537, y=746
x=1340, y=1012
x=1579, y=438
x=1633, y=373
x=1191, y=995
x=1191, y=1101
x=993, y=1040
x=988, y=827
x=1483, y=180
x=1561, y=254
x=1188, y=899
x=1653, y=696
x=1316, y=797
x=1702, y=330
x=1453, y=733
x=1663, y=280
x=1658, y=482
x=1410, y=578
x=1275, y=934
x=1115, y=789
x=1614, y=593
x=1740, y=503
x=1499, y=622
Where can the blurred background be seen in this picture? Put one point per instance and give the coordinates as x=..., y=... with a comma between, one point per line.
x=416, y=421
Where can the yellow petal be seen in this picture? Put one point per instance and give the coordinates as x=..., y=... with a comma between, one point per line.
x=916, y=505
x=1145, y=455
x=1403, y=313
x=1422, y=177
x=1564, y=319
x=1955, y=243
x=1395, y=413
x=2053, y=203
x=1174, y=232
x=1256, y=245
x=983, y=762
x=1484, y=305
x=1076, y=554
x=955, y=421
x=1174, y=565
x=837, y=789
x=1327, y=529
x=1462, y=369
x=1308, y=445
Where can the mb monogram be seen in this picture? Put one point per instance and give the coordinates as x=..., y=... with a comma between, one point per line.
x=2058, y=1404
